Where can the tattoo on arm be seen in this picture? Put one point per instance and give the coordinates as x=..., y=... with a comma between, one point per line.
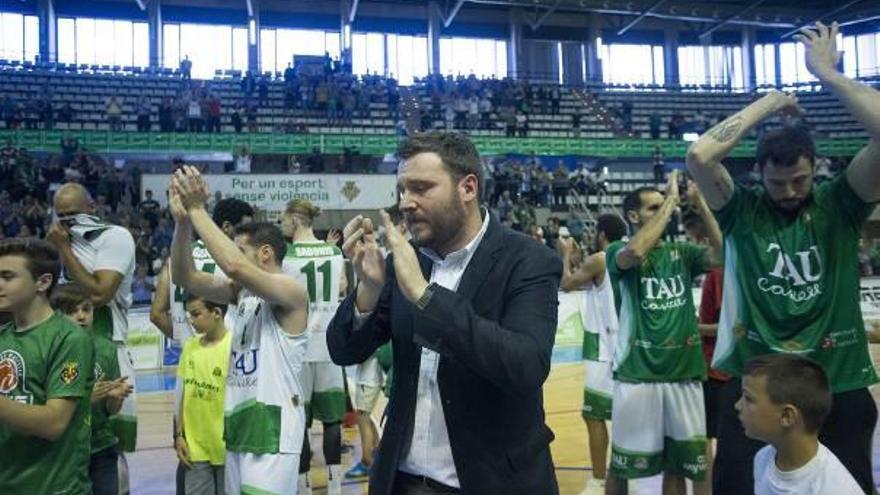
x=726, y=130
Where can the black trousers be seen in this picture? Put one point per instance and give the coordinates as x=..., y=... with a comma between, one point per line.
x=848, y=432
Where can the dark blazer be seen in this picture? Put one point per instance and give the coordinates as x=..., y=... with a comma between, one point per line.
x=495, y=337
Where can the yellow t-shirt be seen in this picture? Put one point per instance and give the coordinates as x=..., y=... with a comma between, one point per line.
x=203, y=370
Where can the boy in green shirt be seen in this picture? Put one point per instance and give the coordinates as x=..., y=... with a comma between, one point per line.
x=107, y=395
x=46, y=378
x=791, y=272
x=203, y=368
x=657, y=405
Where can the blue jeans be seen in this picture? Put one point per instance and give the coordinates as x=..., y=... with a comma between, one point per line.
x=104, y=472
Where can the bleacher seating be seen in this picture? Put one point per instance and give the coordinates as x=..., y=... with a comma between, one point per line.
x=88, y=93
x=823, y=110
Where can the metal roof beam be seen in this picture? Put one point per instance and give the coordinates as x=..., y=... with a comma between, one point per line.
x=641, y=16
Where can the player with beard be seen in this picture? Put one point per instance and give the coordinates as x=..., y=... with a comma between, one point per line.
x=600, y=330
x=471, y=308
x=791, y=282
x=264, y=414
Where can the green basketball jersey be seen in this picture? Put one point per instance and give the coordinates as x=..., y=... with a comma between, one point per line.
x=658, y=338
x=791, y=284
x=106, y=368
x=318, y=266
x=52, y=360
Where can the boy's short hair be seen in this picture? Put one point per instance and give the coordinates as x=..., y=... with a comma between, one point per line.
x=67, y=297
x=211, y=305
x=41, y=256
x=797, y=381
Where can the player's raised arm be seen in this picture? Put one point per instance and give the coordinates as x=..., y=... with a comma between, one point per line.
x=276, y=288
x=862, y=101
x=705, y=155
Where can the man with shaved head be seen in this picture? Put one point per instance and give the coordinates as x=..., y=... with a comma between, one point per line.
x=99, y=256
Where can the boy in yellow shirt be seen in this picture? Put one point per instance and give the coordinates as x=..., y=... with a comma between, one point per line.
x=203, y=367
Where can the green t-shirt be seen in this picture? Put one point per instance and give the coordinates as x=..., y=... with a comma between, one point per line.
x=658, y=340
x=52, y=360
x=791, y=284
x=106, y=368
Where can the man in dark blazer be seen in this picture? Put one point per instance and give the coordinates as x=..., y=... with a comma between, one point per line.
x=472, y=315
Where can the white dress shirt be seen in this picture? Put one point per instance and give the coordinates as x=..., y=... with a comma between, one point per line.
x=429, y=452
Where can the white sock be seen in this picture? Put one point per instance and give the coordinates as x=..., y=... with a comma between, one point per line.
x=334, y=479
x=304, y=484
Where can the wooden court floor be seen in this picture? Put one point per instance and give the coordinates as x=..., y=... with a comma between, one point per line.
x=152, y=467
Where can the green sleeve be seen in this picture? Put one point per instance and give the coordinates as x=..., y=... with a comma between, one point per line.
x=111, y=372
x=71, y=366
x=697, y=258
x=733, y=211
x=837, y=196
x=611, y=257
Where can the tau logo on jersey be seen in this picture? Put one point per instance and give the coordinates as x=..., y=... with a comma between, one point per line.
x=663, y=293
x=796, y=276
x=12, y=371
x=244, y=363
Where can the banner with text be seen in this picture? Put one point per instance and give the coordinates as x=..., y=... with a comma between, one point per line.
x=271, y=192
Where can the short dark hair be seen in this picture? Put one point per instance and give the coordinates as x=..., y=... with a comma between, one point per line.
x=66, y=297
x=785, y=146
x=262, y=233
x=798, y=381
x=41, y=256
x=211, y=305
x=458, y=153
x=612, y=225
x=633, y=200
x=231, y=210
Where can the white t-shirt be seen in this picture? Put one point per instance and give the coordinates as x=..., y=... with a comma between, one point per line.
x=102, y=246
x=823, y=475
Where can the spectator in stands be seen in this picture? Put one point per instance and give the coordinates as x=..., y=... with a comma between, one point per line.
x=248, y=85
x=102, y=209
x=523, y=214
x=163, y=234
x=213, y=104
x=485, y=112
x=65, y=113
x=142, y=287
x=144, y=110
x=243, y=161
x=522, y=124
x=250, y=113
x=289, y=75
x=449, y=116
x=10, y=112
x=473, y=115
x=560, y=186
x=659, y=166
x=47, y=111
x=263, y=89
x=114, y=113
x=149, y=209
x=393, y=101
x=237, y=122
x=555, y=97
x=654, y=124
x=675, y=126
x=505, y=206
x=194, y=115
x=186, y=68
x=166, y=115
